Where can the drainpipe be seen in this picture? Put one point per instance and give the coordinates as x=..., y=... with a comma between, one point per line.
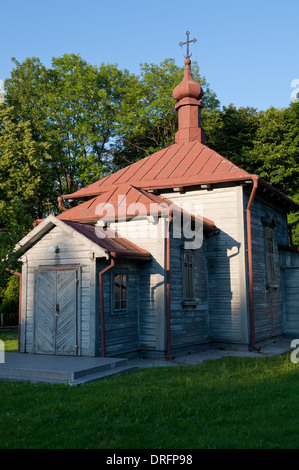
x=60, y=205
x=111, y=265
x=168, y=286
x=250, y=269
x=20, y=303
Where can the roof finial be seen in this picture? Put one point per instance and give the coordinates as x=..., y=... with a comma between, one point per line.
x=187, y=42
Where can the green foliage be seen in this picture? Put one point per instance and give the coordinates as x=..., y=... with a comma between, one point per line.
x=10, y=296
x=148, y=120
x=275, y=156
x=293, y=218
x=231, y=133
x=72, y=107
x=24, y=183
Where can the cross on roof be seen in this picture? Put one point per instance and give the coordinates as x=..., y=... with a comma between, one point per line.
x=187, y=42
x=49, y=204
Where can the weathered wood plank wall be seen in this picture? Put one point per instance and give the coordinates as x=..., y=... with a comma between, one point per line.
x=189, y=319
x=226, y=260
x=71, y=252
x=289, y=261
x=148, y=233
x=268, y=302
x=121, y=328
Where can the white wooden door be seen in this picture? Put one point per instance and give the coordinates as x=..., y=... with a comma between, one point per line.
x=56, y=294
x=45, y=304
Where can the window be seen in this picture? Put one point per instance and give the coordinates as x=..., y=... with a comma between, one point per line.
x=188, y=276
x=120, y=292
x=271, y=276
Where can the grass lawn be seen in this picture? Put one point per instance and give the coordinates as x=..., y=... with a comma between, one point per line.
x=227, y=403
x=10, y=339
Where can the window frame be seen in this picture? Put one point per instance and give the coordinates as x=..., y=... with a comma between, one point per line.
x=122, y=273
x=188, y=288
x=271, y=274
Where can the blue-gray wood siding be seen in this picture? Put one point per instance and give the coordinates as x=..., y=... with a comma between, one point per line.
x=268, y=302
x=149, y=234
x=289, y=261
x=189, y=319
x=121, y=328
x=225, y=255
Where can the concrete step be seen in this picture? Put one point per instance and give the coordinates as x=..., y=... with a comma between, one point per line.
x=103, y=375
x=60, y=369
x=64, y=375
x=101, y=368
x=74, y=382
x=31, y=379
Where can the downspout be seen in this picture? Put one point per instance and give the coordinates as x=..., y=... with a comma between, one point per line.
x=168, y=286
x=20, y=303
x=103, y=336
x=250, y=264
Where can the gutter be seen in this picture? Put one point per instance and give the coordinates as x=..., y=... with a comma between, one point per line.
x=255, y=180
x=102, y=311
x=20, y=303
x=168, y=326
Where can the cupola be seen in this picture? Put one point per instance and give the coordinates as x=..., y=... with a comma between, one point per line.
x=188, y=94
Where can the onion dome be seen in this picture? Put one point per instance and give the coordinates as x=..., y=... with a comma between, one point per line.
x=188, y=88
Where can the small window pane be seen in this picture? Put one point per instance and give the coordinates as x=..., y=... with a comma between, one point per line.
x=120, y=291
x=188, y=276
x=270, y=253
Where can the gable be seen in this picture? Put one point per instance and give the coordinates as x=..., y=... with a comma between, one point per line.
x=126, y=202
x=102, y=241
x=51, y=233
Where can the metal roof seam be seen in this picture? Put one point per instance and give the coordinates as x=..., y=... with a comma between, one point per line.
x=205, y=163
x=196, y=156
x=143, y=163
x=164, y=155
x=218, y=164
x=194, y=143
x=147, y=159
x=168, y=162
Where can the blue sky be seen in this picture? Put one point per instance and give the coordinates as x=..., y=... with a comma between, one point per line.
x=247, y=50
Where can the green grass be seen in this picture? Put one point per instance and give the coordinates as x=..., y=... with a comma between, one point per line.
x=228, y=403
x=10, y=339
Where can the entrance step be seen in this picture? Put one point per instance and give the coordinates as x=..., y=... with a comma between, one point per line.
x=37, y=368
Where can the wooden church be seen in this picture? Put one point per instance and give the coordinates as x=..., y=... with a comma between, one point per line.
x=177, y=252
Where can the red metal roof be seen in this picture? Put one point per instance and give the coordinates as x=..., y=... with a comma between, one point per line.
x=181, y=164
x=110, y=241
x=124, y=201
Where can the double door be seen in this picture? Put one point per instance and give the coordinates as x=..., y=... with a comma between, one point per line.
x=56, y=311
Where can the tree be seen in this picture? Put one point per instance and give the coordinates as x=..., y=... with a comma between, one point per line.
x=147, y=118
x=10, y=296
x=24, y=181
x=231, y=132
x=275, y=153
x=72, y=107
